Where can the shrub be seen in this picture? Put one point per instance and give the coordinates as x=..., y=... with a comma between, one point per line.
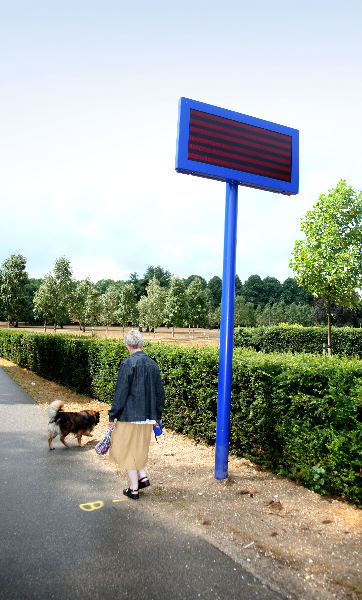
x=295, y=414
x=346, y=341
x=58, y=357
x=292, y=413
x=104, y=359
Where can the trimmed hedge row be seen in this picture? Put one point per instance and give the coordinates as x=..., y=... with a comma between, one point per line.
x=60, y=358
x=346, y=341
x=294, y=414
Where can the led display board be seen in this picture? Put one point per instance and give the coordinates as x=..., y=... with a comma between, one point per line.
x=221, y=144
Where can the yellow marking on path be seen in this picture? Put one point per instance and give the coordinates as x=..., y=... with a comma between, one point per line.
x=92, y=505
x=120, y=500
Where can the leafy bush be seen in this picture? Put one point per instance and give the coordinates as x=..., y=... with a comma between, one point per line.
x=346, y=341
x=295, y=414
x=60, y=358
x=292, y=413
x=104, y=359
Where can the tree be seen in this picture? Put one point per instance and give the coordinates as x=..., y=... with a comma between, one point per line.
x=137, y=284
x=244, y=313
x=176, y=304
x=78, y=310
x=214, y=317
x=272, y=290
x=280, y=312
x=253, y=290
x=143, y=311
x=301, y=314
x=127, y=309
x=342, y=317
x=292, y=292
x=109, y=306
x=2, y=310
x=328, y=261
x=63, y=290
x=31, y=287
x=162, y=275
x=192, y=278
x=12, y=288
x=211, y=314
x=272, y=314
x=238, y=286
x=289, y=290
x=86, y=305
x=44, y=300
x=53, y=300
x=152, y=306
x=304, y=296
x=197, y=302
x=215, y=287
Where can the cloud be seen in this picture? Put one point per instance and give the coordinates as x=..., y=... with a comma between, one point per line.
x=100, y=268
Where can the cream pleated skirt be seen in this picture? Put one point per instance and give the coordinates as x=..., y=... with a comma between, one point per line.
x=129, y=445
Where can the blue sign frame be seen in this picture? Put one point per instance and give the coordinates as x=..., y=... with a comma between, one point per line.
x=228, y=146
x=193, y=167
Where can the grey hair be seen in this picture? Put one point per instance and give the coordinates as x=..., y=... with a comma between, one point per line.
x=134, y=339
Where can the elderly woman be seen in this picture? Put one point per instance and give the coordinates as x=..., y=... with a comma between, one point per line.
x=137, y=404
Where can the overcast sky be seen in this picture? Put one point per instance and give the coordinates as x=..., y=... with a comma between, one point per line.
x=89, y=95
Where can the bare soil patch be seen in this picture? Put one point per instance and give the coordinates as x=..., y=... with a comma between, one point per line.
x=308, y=544
x=182, y=335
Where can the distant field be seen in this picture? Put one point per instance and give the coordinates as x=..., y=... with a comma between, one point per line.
x=184, y=336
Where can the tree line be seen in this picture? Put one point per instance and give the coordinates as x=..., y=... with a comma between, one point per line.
x=157, y=298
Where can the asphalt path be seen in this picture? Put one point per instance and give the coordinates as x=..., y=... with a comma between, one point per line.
x=67, y=531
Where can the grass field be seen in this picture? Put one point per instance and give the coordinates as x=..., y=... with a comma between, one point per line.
x=184, y=336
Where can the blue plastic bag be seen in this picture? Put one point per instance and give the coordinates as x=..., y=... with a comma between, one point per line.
x=157, y=429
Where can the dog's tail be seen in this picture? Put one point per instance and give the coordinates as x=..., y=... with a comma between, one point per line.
x=54, y=408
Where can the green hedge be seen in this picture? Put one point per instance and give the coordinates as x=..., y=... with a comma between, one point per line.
x=61, y=358
x=346, y=341
x=294, y=414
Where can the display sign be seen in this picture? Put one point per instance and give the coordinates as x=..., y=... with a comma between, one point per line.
x=229, y=146
x=240, y=150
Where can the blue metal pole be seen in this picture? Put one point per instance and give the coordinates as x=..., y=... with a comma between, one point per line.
x=226, y=332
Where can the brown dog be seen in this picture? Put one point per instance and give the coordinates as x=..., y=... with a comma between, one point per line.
x=63, y=423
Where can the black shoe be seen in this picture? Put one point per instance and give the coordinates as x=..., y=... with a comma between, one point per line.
x=143, y=483
x=131, y=493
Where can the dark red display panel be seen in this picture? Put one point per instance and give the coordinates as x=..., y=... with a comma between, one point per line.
x=226, y=143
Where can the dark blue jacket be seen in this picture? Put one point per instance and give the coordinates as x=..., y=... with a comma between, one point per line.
x=139, y=393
